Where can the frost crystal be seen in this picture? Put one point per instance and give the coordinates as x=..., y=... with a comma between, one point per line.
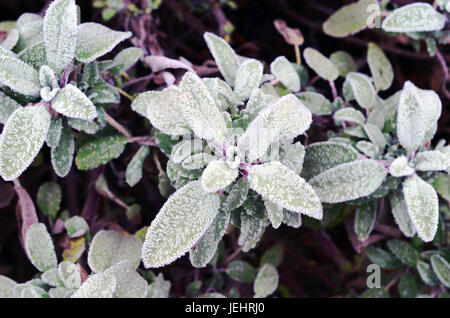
x=99, y=151
x=19, y=76
x=400, y=168
x=217, y=176
x=99, y=285
x=133, y=173
x=285, y=72
x=129, y=284
x=62, y=154
x=431, y=161
x=365, y=218
x=73, y=103
x=39, y=247
x=7, y=107
x=248, y=77
x=274, y=213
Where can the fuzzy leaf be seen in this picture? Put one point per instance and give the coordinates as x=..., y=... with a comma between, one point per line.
x=133, y=173
x=407, y=254
x=129, y=284
x=375, y=135
x=180, y=223
x=376, y=117
x=362, y=89
x=73, y=103
x=70, y=274
x=414, y=17
x=76, y=225
x=282, y=69
x=316, y=103
x=442, y=185
x=95, y=40
x=252, y=230
x=321, y=65
x=237, y=195
x=39, y=247
x=284, y=187
x=21, y=140
x=7, y=107
x=344, y=62
x=19, y=76
x=426, y=273
x=349, y=114
x=367, y=148
x=382, y=258
x=217, y=176
x=293, y=156
x=184, y=149
x=400, y=168
x=222, y=93
x=274, y=213
x=380, y=67
x=266, y=281
x=49, y=199
x=99, y=151
x=51, y=277
x=11, y=40
x=349, y=181
x=34, y=55
x=159, y=288
x=224, y=55
x=248, y=77
x=442, y=269
x=365, y=218
x=99, y=285
x=431, y=161
x=197, y=161
x=423, y=207
x=54, y=133
x=125, y=59
x=432, y=107
x=241, y=271
x=401, y=216
x=62, y=154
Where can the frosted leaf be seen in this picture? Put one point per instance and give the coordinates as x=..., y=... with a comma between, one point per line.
x=322, y=156
x=241, y=271
x=110, y=247
x=375, y=135
x=266, y=281
x=316, y=103
x=95, y=40
x=365, y=218
x=415, y=17
x=54, y=133
x=99, y=151
x=293, y=156
x=133, y=173
x=376, y=117
x=184, y=149
x=69, y=274
x=47, y=94
x=7, y=52
x=442, y=269
x=6, y=287
x=280, y=185
x=217, y=176
x=159, y=288
x=432, y=107
x=7, y=107
x=257, y=102
x=39, y=247
x=344, y=62
x=225, y=57
x=248, y=77
x=274, y=213
x=125, y=59
x=382, y=258
x=405, y=252
x=321, y=65
x=204, y=250
x=30, y=33
x=62, y=154
x=99, y=285
x=34, y=55
x=349, y=181
x=355, y=131
x=367, y=148
x=237, y=195
x=442, y=185
x=163, y=109
x=49, y=199
x=60, y=292
x=73, y=103
x=252, y=230
x=351, y=18
x=349, y=114
x=222, y=93
x=362, y=89
x=431, y=161
x=426, y=273
x=285, y=72
x=51, y=277
x=19, y=76
x=400, y=168
x=423, y=207
x=129, y=284
x=380, y=67
x=180, y=223
x=76, y=225
x=103, y=93
x=11, y=40
x=89, y=127
x=60, y=33
x=21, y=140
x=31, y=291
x=200, y=110
x=410, y=118
x=197, y=161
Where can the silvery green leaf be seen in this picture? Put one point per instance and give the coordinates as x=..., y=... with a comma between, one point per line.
x=273, y=255
x=99, y=151
x=321, y=65
x=382, y=258
x=442, y=185
x=47, y=94
x=349, y=114
x=217, y=176
x=30, y=33
x=432, y=107
x=95, y=40
x=159, y=288
x=89, y=127
x=293, y=156
x=376, y=117
x=99, y=285
x=62, y=154
x=7, y=52
x=344, y=62
x=410, y=118
x=60, y=292
x=163, y=109
x=76, y=225
x=365, y=218
x=11, y=40
x=103, y=93
x=414, y=17
x=248, y=77
x=404, y=251
x=285, y=72
x=197, y=161
x=200, y=110
x=274, y=213
x=380, y=67
x=362, y=89
x=133, y=174
x=21, y=140
x=375, y=135
x=426, y=273
x=252, y=230
x=282, y=186
x=423, y=206
x=349, y=181
x=51, y=277
x=266, y=281
x=6, y=287
x=316, y=103
x=7, y=107
x=72, y=102
x=54, y=133
x=355, y=131
x=32, y=291
x=69, y=274
x=400, y=168
x=257, y=101
x=431, y=161
x=39, y=247
x=125, y=59
x=367, y=148
x=390, y=105
x=241, y=271
x=237, y=195
x=322, y=156
x=110, y=247
x=49, y=199
x=19, y=76
x=204, y=250
x=401, y=216
x=351, y=18
x=129, y=284
x=34, y=55
x=60, y=33
x=225, y=57
x=222, y=93
x=180, y=223
x=442, y=269
x=184, y=149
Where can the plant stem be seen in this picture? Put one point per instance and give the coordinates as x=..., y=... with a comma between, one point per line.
x=232, y=256
x=118, y=126
x=297, y=55
x=333, y=90
x=122, y=92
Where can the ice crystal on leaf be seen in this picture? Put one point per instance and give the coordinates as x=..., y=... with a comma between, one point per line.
x=133, y=173
x=72, y=102
x=442, y=269
x=431, y=161
x=248, y=77
x=39, y=247
x=349, y=114
x=101, y=285
x=380, y=67
x=129, y=284
x=285, y=72
x=321, y=65
x=19, y=76
x=362, y=88
x=401, y=216
x=217, y=176
x=400, y=168
x=62, y=154
x=266, y=281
